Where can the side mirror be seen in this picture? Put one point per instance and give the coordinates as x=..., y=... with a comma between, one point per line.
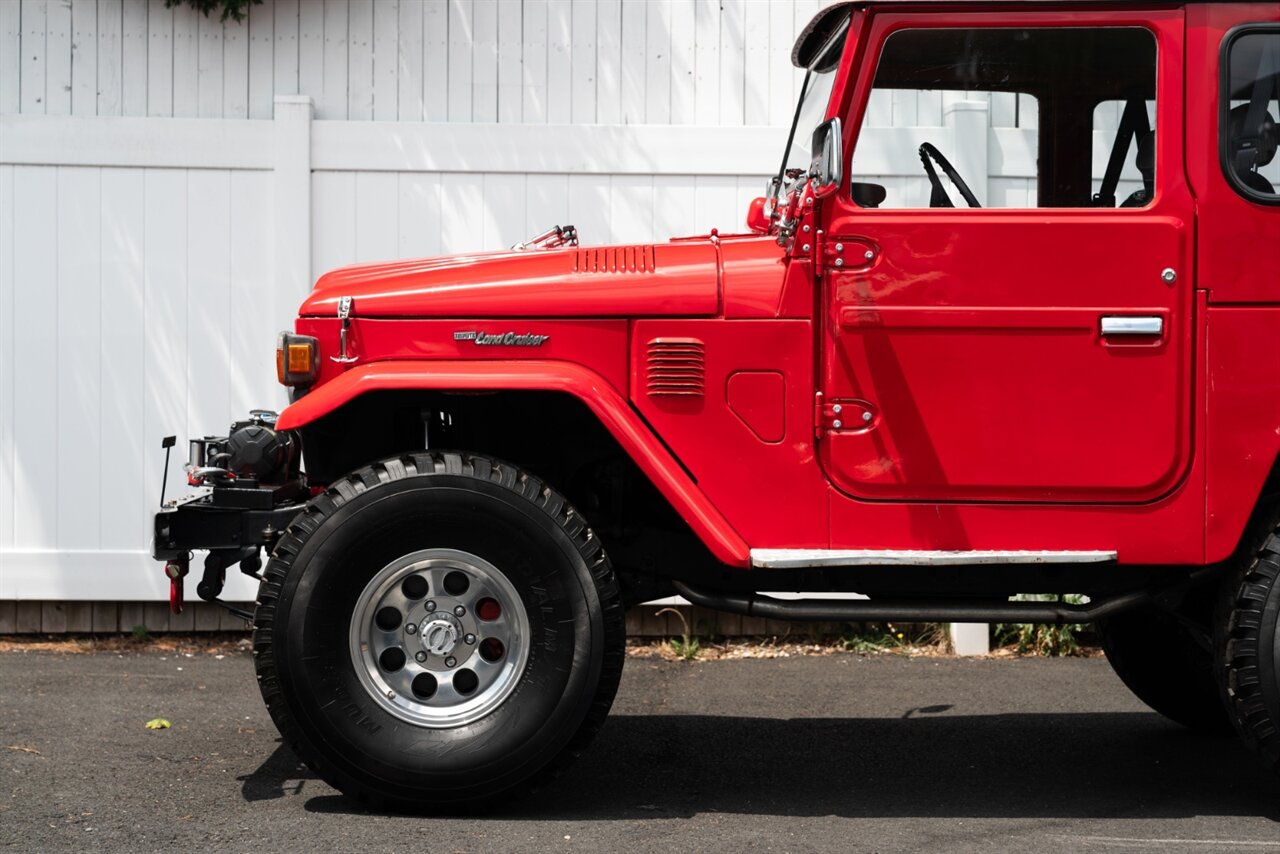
x=827, y=168
x=757, y=220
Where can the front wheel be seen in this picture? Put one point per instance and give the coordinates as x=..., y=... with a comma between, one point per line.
x=438, y=629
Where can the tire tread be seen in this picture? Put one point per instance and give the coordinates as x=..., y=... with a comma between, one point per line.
x=426, y=464
x=1240, y=657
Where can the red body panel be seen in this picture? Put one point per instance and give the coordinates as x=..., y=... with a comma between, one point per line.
x=602, y=399
x=775, y=490
x=601, y=344
x=611, y=281
x=993, y=382
x=999, y=416
x=1243, y=363
x=754, y=270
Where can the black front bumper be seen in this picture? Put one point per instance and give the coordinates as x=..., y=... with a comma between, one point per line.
x=224, y=519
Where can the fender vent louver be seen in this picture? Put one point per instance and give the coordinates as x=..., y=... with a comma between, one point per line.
x=614, y=259
x=675, y=367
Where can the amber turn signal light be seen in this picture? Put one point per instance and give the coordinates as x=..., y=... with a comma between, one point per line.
x=297, y=359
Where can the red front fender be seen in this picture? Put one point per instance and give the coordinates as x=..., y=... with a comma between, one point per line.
x=600, y=397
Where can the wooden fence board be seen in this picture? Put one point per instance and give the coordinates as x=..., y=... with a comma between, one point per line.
x=27, y=618
x=106, y=618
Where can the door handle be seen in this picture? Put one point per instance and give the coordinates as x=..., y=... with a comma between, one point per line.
x=1130, y=325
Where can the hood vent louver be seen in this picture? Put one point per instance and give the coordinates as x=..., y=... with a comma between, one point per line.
x=614, y=259
x=675, y=367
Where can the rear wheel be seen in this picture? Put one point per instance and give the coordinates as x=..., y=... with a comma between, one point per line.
x=1247, y=648
x=1167, y=666
x=436, y=630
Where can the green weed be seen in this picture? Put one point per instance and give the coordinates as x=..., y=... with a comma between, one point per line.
x=687, y=645
x=1038, y=638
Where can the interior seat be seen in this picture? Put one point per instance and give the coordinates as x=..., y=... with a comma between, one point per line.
x=1262, y=143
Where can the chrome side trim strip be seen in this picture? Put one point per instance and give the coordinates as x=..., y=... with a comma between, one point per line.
x=801, y=558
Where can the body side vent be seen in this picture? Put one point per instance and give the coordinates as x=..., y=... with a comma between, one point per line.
x=614, y=259
x=675, y=367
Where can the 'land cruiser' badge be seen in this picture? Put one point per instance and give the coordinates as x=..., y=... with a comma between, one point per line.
x=502, y=339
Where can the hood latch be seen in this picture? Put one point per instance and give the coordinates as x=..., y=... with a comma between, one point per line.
x=345, y=305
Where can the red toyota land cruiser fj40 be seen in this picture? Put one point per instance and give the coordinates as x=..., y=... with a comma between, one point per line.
x=1061, y=378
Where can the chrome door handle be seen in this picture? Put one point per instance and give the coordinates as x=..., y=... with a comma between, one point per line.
x=1130, y=325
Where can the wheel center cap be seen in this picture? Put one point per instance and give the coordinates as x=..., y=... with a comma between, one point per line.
x=440, y=633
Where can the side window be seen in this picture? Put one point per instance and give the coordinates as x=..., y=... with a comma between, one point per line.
x=1250, y=105
x=1056, y=117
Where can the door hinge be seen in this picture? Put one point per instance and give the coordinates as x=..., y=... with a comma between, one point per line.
x=845, y=415
x=842, y=253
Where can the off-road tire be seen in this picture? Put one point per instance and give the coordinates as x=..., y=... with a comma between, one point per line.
x=422, y=501
x=1247, y=648
x=1160, y=661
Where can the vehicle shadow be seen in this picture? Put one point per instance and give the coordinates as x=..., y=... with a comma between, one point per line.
x=1091, y=765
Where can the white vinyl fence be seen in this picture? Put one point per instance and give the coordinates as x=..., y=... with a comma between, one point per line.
x=170, y=186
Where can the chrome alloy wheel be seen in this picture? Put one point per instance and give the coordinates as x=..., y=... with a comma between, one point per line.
x=439, y=638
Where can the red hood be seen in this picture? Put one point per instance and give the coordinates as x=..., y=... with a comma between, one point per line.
x=680, y=278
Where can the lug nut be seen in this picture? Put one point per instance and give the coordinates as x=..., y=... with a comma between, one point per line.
x=450, y=661
x=459, y=611
x=431, y=604
x=470, y=638
x=420, y=656
x=411, y=628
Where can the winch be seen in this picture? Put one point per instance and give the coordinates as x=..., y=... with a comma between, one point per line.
x=250, y=487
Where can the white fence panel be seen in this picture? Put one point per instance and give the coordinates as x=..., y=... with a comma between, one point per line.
x=117, y=289
x=705, y=62
x=8, y=402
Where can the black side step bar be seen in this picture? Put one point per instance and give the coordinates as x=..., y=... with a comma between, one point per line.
x=933, y=611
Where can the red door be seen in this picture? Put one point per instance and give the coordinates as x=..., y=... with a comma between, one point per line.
x=1033, y=355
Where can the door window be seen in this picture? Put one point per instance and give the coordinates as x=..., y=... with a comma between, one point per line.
x=1010, y=118
x=1250, y=106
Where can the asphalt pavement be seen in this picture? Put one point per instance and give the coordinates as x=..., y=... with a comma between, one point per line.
x=833, y=753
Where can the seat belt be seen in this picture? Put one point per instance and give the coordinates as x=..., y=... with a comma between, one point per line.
x=1133, y=123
